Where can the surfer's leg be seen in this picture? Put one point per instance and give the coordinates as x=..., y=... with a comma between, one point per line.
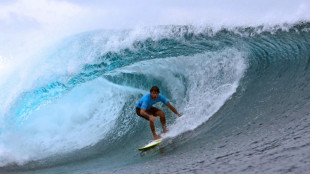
x=152, y=126
x=162, y=116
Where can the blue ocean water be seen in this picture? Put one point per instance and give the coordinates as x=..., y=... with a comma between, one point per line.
x=243, y=93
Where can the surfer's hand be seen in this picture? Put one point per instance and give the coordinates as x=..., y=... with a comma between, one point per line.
x=152, y=118
x=179, y=115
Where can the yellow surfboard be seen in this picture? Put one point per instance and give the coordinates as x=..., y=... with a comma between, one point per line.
x=150, y=145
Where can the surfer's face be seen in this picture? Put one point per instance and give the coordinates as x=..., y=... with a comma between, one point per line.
x=154, y=95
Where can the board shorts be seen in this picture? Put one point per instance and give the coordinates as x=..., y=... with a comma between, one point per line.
x=152, y=111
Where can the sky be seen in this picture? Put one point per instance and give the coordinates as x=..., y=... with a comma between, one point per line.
x=25, y=20
x=77, y=15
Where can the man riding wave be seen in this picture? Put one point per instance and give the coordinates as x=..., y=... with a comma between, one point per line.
x=145, y=109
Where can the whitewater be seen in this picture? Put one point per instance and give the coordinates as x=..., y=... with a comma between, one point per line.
x=67, y=105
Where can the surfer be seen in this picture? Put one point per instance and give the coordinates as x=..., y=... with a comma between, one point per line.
x=145, y=109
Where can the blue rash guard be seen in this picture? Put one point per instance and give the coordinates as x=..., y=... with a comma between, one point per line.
x=146, y=101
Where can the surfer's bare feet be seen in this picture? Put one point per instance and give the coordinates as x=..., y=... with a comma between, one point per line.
x=156, y=137
x=165, y=130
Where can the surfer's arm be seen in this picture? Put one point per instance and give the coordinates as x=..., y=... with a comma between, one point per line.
x=147, y=115
x=173, y=109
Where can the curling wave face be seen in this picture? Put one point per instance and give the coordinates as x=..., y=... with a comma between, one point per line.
x=81, y=95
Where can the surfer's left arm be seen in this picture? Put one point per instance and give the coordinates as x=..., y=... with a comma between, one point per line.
x=173, y=109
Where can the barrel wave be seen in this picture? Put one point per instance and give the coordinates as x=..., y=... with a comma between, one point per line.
x=243, y=93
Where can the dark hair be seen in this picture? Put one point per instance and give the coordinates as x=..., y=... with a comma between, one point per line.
x=155, y=89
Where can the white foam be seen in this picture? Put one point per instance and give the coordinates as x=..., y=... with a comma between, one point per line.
x=211, y=79
x=80, y=118
x=28, y=24
x=210, y=85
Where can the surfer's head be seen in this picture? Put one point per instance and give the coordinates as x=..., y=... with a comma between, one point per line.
x=155, y=89
x=154, y=92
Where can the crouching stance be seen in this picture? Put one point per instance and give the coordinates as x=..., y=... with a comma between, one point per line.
x=145, y=109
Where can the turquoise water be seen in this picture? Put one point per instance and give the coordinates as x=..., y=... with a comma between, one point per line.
x=233, y=87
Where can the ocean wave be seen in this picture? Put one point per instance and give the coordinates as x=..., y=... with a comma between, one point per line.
x=82, y=95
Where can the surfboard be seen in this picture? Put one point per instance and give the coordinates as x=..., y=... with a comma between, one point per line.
x=150, y=145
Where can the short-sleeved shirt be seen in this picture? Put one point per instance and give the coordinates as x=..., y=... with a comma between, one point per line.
x=146, y=101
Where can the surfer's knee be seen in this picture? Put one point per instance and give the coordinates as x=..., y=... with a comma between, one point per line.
x=161, y=113
x=152, y=121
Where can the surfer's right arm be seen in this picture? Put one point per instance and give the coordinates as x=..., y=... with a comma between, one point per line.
x=146, y=115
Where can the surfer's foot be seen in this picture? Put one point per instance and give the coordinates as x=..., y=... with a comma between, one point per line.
x=165, y=130
x=156, y=137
